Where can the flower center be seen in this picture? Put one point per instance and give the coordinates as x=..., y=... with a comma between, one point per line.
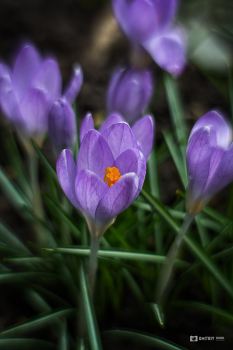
x=112, y=175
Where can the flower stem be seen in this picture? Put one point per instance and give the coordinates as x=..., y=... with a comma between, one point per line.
x=93, y=262
x=166, y=270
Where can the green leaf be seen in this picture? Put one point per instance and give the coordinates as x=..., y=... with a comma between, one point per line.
x=45, y=161
x=176, y=111
x=63, y=339
x=26, y=344
x=18, y=277
x=91, y=321
x=35, y=323
x=192, y=245
x=141, y=339
x=8, y=237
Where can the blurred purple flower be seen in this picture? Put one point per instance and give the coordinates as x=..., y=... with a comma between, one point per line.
x=28, y=91
x=129, y=92
x=148, y=25
x=209, y=160
x=143, y=130
x=108, y=177
x=61, y=123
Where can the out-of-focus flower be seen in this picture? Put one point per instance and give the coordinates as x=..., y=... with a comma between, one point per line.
x=28, y=91
x=129, y=92
x=143, y=130
x=109, y=175
x=148, y=25
x=62, y=125
x=209, y=160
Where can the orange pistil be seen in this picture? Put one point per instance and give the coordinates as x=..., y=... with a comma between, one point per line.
x=112, y=175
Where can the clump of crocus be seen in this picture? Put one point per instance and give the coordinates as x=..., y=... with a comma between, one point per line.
x=108, y=177
x=129, y=92
x=28, y=91
x=143, y=130
x=148, y=24
x=209, y=160
x=62, y=125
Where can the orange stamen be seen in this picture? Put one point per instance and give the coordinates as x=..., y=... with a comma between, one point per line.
x=112, y=175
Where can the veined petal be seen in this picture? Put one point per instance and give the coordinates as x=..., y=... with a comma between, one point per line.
x=74, y=85
x=35, y=109
x=94, y=154
x=89, y=191
x=87, y=125
x=48, y=78
x=112, y=119
x=223, y=174
x=198, y=162
x=117, y=199
x=120, y=10
x=132, y=161
x=165, y=11
x=215, y=159
x=222, y=135
x=143, y=131
x=119, y=137
x=168, y=51
x=62, y=126
x=66, y=172
x=26, y=66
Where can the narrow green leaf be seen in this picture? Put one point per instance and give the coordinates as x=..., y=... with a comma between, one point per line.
x=26, y=344
x=8, y=237
x=18, y=277
x=35, y=323
x=142, y=339
x=176, y=110
x=193, y=246
x=63, y=216
x=63, y=339
x=176, y=156
x=11, y=192
x=92, y=326
x=45, y=161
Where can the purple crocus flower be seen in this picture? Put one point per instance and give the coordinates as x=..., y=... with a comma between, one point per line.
x=28, y=91
x=61, y=123
x=109, y=175
x=148, y=26
x=129, y=92
x=209, y=160
x=143, y=130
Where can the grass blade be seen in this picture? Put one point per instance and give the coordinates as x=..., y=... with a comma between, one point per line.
x=8, y=237
x=26, y=344
x=91, y=321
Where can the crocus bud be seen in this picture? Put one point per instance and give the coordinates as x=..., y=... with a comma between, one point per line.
x=209, y=160
x=75, y=84
x=129, y=93
x=148, y=25
x=62, y=126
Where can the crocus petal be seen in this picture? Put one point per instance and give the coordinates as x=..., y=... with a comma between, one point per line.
x=165, y=11
x=132, y=93
x=35, y=109
x=168, y=51
x=75, y=85
x=94, y=154
x=215, y=159
x=62, y=126
x=89, y=191
x=66, y=172
x=113, y=119
x=143, y=131
x=48, y=78
x=119, y=137
x=87, y=124
x=120, y=10
x=223, y=174
x=132, y=161
x=26, y=65
x=8, y=100
x=222, y=136
x=117, y=199
x=198, y=161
